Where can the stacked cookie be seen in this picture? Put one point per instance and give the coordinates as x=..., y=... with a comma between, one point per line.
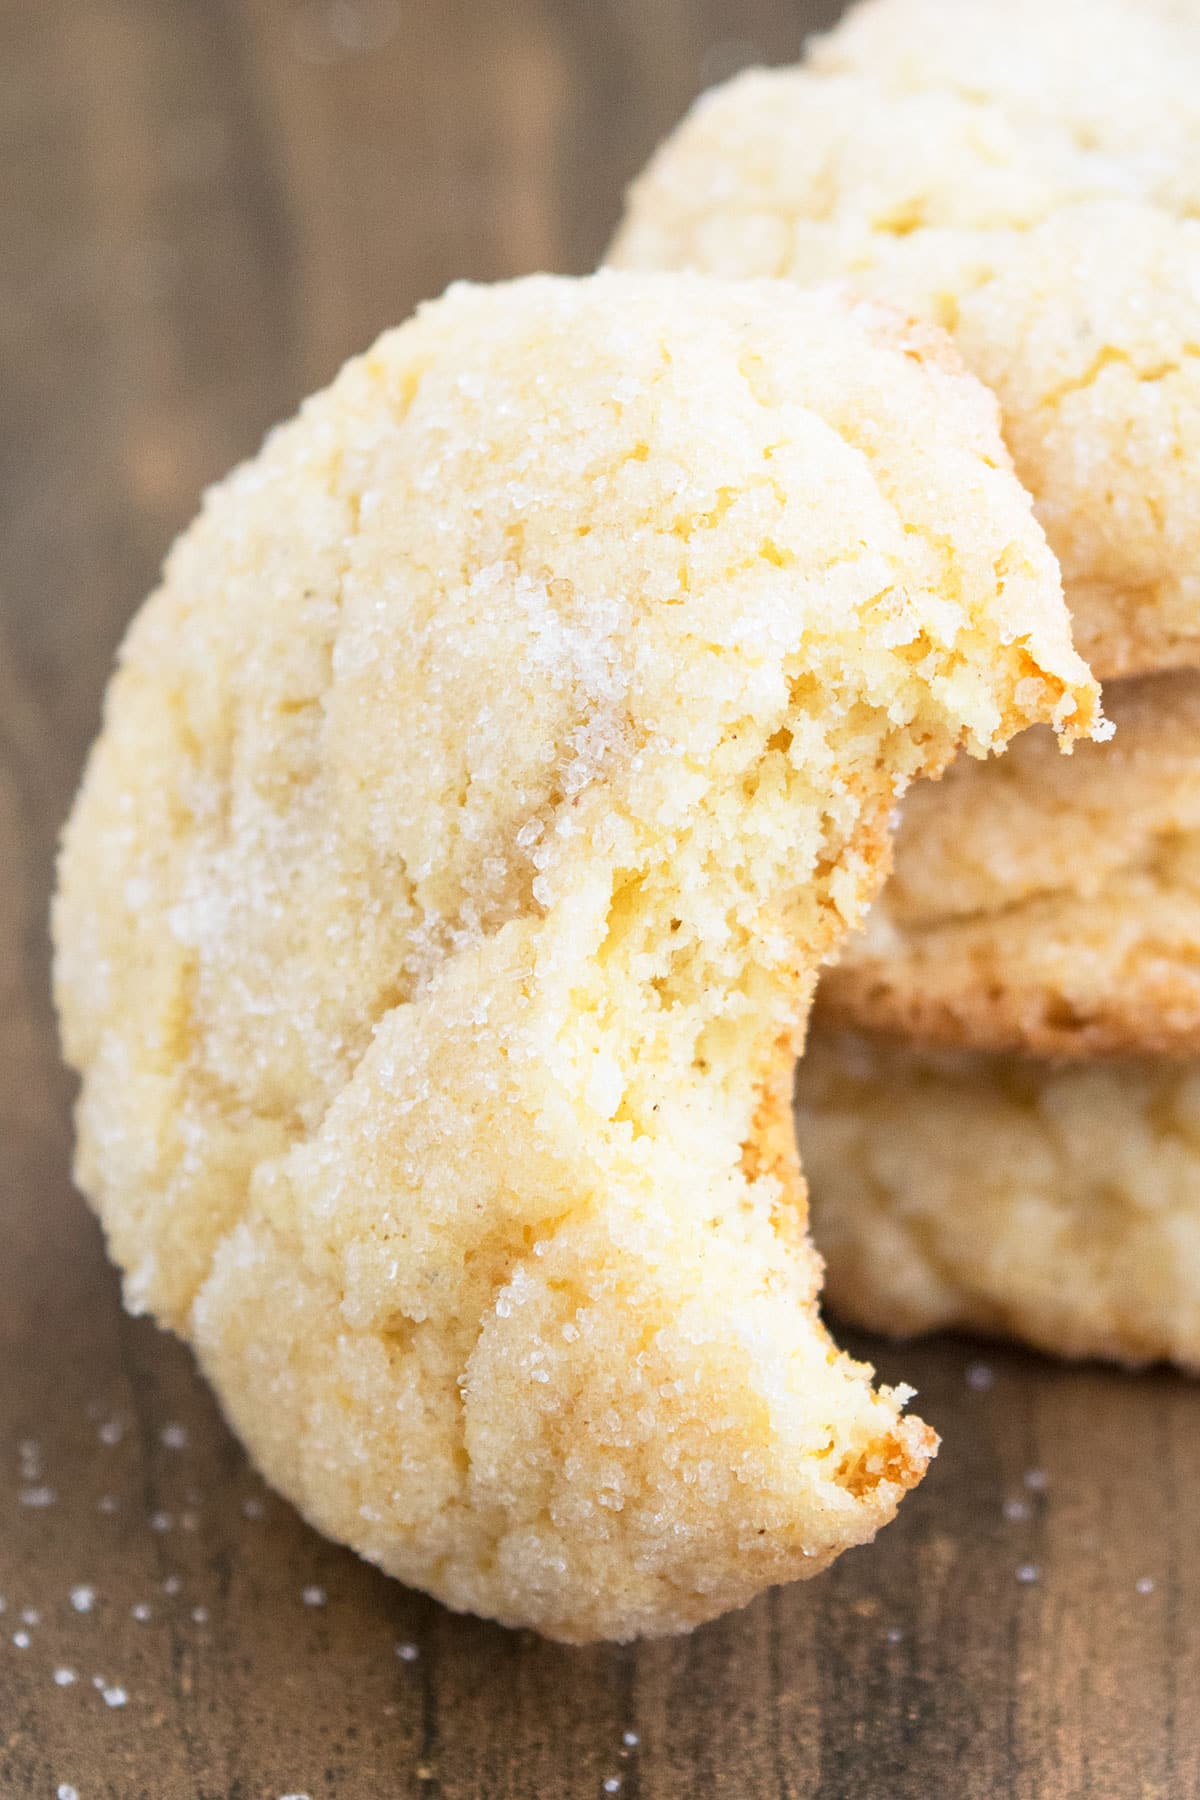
x=1000, y=1108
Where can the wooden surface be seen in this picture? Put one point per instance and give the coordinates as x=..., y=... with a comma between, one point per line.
x=204, y=206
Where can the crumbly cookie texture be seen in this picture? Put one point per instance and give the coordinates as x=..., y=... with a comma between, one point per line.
x=1058, y=1204
x=965, y=158
x=1045, y=904
x=505, y=748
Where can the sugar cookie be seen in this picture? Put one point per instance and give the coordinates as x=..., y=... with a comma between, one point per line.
x=1046, y=904
x=505, y=748
x=1056, y=1203
x=1027, y=175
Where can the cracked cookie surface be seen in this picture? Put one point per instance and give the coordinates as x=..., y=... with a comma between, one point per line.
x=967, y=162
x=505, y=748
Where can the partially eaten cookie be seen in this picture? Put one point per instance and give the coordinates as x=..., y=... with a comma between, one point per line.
x=504, y=751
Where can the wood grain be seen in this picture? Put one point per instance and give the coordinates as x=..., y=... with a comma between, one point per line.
x=204, y=206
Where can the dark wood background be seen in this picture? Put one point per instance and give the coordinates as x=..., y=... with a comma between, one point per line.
x=204, y=206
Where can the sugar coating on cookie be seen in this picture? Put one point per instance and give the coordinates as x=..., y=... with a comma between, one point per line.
x=506, y=746
x=1057, y=1203
x=1029, y=176
x=1045, y=904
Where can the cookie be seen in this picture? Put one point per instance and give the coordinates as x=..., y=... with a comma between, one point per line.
x=1056, y=1203
x=505, y=748
x=1046, y=904
x=1027, y=175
